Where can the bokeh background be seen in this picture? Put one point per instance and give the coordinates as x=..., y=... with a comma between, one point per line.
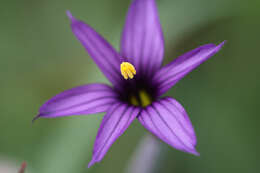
x=40, y=57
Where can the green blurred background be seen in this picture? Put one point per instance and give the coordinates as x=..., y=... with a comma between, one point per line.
x=40, y=57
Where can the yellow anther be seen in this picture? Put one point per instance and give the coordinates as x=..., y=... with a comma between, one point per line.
x=127, y=70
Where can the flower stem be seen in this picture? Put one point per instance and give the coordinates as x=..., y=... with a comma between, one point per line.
x=145, y=157
x=22, y=168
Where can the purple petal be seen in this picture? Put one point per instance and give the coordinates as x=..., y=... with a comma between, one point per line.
x=104, y=55
x=169, y=75
x=87, y=99
x=142, y=41
x=168, y=120
x=114, y=123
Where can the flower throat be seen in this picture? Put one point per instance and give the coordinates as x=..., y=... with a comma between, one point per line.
x=142, y=98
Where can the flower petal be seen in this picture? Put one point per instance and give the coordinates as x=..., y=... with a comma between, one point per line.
x=86, y=99
x=169, y=75
x=168, y=120
x=142, y=41
x=104, y=55
x=114, y=123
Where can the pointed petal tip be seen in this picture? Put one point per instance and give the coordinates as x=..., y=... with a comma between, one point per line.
x=70, y=16
x=196, y=153
x=192, y=151
x=91, y=163
x=222, y=43
x=35, y=118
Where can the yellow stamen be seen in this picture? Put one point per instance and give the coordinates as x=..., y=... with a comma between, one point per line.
x=134, y=100
x=144, y=98
x=141, y=99
x=127, y=70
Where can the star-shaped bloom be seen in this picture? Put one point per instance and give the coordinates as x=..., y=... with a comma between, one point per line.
x=138, y=81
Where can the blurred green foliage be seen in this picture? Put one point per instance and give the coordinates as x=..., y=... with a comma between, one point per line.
x=40, y=57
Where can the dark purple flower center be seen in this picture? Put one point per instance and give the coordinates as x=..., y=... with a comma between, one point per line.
x=138, y=91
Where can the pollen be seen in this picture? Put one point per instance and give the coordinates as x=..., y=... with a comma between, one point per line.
x=127, y=70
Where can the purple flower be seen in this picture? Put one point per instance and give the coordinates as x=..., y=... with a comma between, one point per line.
x=138, y=80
